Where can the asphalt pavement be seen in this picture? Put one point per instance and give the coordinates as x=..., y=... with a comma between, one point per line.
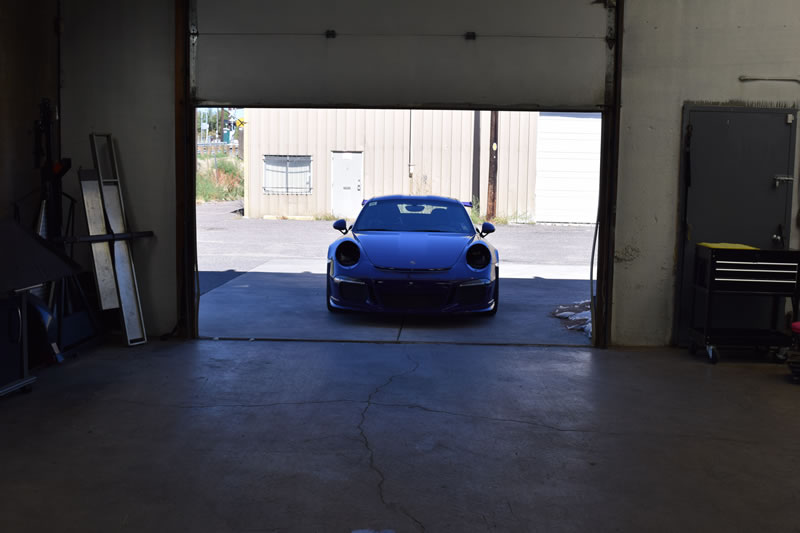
x=229, y=245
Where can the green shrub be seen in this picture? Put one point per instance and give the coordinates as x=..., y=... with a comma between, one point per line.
x=475, y=212
x=477, y=219
x=218, y=180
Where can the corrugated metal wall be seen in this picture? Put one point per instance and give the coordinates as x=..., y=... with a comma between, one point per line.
x=382, y=135
x=516, y=164
x=441, y=157
x=442, y=153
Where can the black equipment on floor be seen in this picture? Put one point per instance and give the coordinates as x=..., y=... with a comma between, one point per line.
x=30, y=263
x=722, y=270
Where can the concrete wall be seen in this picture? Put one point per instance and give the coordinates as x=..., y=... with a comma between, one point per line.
x=674, y=52
x=119, y=78
x=25, y=78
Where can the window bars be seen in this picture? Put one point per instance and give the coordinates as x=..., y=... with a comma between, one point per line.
x=287, y=174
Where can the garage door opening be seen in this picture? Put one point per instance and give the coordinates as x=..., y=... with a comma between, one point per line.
x=270, y=183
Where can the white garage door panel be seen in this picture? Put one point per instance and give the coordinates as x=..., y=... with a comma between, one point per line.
x=531, y=54
x=399, y=71
x=573, y=18
x=576, y=147
x=568, y=208
x=562, y=186
x=581, y=167
x=568, y=168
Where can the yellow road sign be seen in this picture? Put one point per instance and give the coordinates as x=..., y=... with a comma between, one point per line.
x=240, y=123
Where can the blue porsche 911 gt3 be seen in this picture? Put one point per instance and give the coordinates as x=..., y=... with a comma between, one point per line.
x=413, y=254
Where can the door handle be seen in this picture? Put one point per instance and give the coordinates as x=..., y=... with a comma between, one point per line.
x=778, y=179
x=777, y=237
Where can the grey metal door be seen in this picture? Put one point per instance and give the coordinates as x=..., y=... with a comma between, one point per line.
x=737, y=181
x=346, y=171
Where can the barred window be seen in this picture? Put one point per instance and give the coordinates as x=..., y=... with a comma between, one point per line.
x=287, y=174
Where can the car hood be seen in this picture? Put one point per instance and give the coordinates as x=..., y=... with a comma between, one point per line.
x=413, y=250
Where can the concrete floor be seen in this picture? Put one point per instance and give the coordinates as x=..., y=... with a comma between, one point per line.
x=236, y=436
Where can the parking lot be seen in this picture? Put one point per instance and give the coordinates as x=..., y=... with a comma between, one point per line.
x=264, y=279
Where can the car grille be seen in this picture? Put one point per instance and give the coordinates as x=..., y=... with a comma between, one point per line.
x=354, y=292
x=395, y=269
x=472, y=294
x=407, y=295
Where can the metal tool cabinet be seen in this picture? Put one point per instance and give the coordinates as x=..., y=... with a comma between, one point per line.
x=768, y=273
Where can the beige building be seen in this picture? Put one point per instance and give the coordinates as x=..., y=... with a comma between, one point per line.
x=318, y=162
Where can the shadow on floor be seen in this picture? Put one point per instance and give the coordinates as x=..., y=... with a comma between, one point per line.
x=211, y=280
x=265, y=305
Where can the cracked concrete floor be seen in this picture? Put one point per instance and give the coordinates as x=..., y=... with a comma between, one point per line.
x=336, y=437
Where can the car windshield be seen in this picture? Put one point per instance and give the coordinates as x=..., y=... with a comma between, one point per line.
x=409, y=214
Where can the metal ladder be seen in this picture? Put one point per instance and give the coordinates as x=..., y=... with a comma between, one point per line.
x=105, y=214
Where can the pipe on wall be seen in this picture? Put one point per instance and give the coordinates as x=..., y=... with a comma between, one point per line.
x=609, y=158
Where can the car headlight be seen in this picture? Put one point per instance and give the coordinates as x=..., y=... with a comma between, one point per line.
x=478, y=256
x=347, y=253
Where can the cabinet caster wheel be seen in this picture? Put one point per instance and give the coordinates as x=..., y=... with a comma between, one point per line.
x=713, y=354
x=780, y=355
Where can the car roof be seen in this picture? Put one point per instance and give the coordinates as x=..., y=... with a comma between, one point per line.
x=416, y=198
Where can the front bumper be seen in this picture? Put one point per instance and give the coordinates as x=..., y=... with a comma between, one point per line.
x=412, y=293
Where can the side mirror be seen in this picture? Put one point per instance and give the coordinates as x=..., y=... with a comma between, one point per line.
x=486, y=229
x=341, y=225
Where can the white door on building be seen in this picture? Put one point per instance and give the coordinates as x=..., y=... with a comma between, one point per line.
x=346, y=176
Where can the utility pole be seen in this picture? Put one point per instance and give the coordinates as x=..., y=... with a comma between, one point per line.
x=476, y=158
x=491, y=201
